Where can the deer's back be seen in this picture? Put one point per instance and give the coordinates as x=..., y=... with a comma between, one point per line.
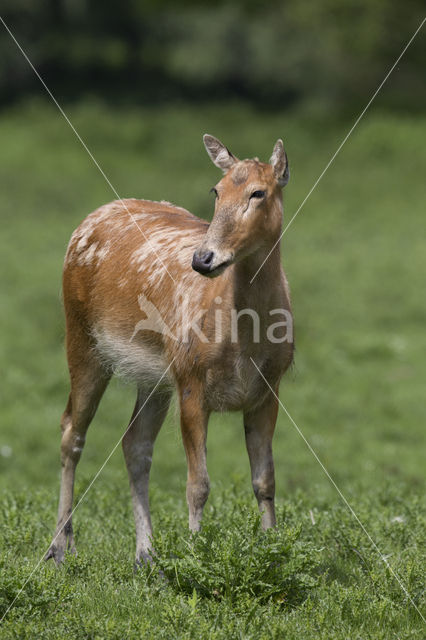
x=120, y=256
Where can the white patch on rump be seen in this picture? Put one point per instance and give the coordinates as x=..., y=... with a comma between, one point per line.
x=122, y=283
x=82, y=243
x=79, y=243
x=102, y=252
x=88, y=256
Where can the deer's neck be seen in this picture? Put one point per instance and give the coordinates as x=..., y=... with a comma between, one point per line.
x=257, y=279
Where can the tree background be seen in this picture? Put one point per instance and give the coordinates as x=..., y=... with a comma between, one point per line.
x=327, y=55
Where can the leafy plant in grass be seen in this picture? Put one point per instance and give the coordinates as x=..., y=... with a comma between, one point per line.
x=40, y=595
x=235, y=560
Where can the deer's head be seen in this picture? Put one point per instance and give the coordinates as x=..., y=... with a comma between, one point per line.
x=248, y=210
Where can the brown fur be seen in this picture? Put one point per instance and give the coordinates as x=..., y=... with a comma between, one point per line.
x=109, y=264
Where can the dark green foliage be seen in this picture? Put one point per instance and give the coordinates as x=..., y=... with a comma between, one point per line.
x=330, y=54
x=232, y=558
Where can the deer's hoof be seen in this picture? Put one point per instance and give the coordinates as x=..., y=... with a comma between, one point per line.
x=57, y=552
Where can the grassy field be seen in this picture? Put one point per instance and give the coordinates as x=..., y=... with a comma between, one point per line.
x=356, y=261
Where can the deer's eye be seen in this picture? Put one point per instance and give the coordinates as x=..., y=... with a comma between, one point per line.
x=258, y=194
x=214, y=190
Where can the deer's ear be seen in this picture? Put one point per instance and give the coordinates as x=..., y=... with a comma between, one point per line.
x=279, y=162
x=220, y=155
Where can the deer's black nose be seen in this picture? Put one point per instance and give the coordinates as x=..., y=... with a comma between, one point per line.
x=202, y=262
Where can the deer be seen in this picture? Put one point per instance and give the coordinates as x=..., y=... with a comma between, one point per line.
x=130, y=255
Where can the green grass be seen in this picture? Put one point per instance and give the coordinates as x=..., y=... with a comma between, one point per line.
x=355, y=260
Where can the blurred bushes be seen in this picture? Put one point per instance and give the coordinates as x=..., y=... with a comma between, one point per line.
x=329, y=53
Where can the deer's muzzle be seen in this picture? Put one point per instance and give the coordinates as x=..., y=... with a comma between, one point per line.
x=208, y=263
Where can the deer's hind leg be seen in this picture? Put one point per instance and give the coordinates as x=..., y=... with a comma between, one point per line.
x=88, y=383
x=138, y=444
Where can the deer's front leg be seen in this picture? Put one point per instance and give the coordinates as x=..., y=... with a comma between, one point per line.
x=259, y=425
x=194, y=419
